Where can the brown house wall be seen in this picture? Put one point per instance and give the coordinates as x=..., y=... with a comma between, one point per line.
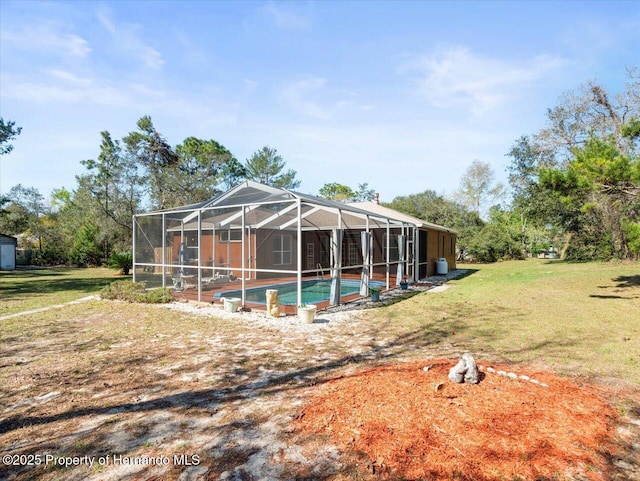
x=229, y=254
x=440, y=244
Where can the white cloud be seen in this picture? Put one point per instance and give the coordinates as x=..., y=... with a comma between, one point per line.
x=313, y=97
x=126, y=38
x=250, y=85
x=287, y=20
x=45, y=38
x=56, y=89
x=302, y=96
x=456, y=76
x=67, y=76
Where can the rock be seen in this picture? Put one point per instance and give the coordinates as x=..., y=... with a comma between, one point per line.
x=457, y=372
x=465, y=371
x=472, y=375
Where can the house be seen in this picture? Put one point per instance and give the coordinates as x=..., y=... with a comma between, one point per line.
x=8, y=245
x=432, y=241
x=312, y=250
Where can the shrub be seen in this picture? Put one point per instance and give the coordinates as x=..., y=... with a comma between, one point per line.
x=123, y=261
x=86, y=250
x=135, y=292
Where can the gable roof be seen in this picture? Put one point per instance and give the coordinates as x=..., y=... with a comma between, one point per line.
x=8, y=239
x=276, y=208
x=386, y=211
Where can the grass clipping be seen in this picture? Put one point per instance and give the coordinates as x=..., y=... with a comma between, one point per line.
x=413, y=423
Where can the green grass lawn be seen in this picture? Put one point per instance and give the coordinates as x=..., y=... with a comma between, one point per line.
x=569, y=316
x=145, y=380
x=23, y=290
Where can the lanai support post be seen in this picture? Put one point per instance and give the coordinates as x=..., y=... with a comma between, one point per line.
x=299, y=253
x=199, y=255
x=336, y=271
x=133, y=235
x=164, y=250
x=388, y=249
x=242, y=257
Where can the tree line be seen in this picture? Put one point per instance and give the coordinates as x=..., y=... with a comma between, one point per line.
x=574, y=188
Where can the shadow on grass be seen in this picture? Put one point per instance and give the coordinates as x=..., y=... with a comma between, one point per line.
x=597, y=296
x=466, y=272
x=18, y=288
x=627, y=281
x=623, y=283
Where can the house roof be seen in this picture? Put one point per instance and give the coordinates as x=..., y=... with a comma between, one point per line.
x=10, y=238
x=276, y=208
x=386, y=211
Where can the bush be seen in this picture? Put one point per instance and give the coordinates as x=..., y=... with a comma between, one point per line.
x=135, y=292
x=123, y=261
x=86, y=250
x=49, y=256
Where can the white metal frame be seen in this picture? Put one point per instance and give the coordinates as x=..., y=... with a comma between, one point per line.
x=305, y=208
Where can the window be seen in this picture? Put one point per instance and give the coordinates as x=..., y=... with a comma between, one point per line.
x=353, y=254
x=191, y=243
x=231, y=235
x=281, y=250
x=393, y=248
x=311, y=255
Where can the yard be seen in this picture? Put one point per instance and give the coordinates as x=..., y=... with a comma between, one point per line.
x=139, y=392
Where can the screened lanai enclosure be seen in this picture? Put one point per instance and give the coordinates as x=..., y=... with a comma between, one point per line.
x=256, y=237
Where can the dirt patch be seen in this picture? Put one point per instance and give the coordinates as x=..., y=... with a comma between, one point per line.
x=215, y=396
x=526, y=425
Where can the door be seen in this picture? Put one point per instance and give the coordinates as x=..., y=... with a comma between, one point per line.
x=7, y=257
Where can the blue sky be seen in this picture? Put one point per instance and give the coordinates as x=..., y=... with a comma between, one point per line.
x=401, y=95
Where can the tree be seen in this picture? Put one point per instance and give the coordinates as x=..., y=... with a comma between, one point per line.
x=115, y=189
x=86, y=248
x=578, y=176
x=24, y=212
x=266, y=166
x=364, y=193
x=478, y=191
x=435, y=208
x=499, y=239
x=344, y=193
x=337, y=192
x=591, y=112
x=154, y=154
x=204, y=169
x=599, y=189
x=8, y=131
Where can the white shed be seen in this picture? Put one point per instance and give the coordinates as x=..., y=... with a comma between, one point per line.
x=8, y=246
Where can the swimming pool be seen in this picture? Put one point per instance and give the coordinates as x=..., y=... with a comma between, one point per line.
x=313, y=291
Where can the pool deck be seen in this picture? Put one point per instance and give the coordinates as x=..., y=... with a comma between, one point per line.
x=209, y=293
x=212, y=293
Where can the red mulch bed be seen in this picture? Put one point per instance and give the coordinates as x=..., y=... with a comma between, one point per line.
x=501, y=428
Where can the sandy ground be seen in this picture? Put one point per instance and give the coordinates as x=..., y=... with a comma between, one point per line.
x=106, y=397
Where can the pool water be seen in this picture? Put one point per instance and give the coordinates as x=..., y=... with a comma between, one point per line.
x=313, y=291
